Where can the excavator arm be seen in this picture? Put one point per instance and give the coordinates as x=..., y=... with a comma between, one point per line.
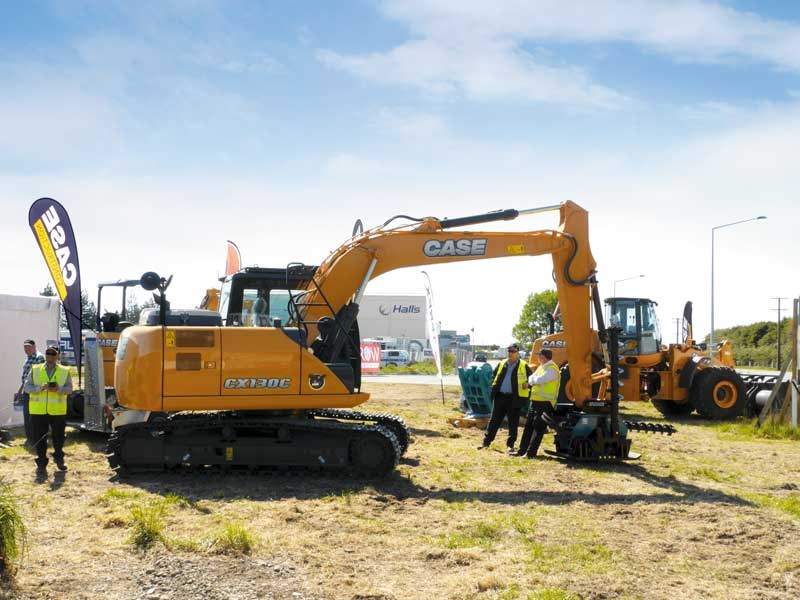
x=341, y=279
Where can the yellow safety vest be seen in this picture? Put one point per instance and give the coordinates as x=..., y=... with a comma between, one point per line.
x=547, y=392
x=522, y=377
x=48, y=402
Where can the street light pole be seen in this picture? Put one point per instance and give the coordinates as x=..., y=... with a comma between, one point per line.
x=677, y=329
x=779, y=329
x=625, y=279
x=713, y=229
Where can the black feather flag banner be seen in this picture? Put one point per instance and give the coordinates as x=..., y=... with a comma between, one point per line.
x=53, y=232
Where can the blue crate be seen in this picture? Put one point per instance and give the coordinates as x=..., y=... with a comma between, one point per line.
x=476, y=385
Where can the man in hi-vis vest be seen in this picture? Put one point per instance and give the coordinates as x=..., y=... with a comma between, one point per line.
x=48, y=385
x=544, y=391
x=509, y=393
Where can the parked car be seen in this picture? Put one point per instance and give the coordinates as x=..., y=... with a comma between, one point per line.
x=394, y=358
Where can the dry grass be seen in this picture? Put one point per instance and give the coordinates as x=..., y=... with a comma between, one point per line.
x=711, y=512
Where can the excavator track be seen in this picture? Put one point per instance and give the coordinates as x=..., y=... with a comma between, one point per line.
x=312, y=442
x=391, y=422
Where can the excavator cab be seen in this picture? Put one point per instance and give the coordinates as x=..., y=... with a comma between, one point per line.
x=636, y=317
x=260, y=297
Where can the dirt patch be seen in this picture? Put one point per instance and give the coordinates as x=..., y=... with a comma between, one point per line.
x=699, y=516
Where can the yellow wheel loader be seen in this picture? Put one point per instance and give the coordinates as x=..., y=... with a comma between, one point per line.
x=676, y=378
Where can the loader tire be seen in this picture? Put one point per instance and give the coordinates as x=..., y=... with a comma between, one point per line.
x=668, y=408
x=719, y=393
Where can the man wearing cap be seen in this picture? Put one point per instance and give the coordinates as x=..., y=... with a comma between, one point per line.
x=48, y=385
x=32, y=357
x=544, y=383
x=509, y=392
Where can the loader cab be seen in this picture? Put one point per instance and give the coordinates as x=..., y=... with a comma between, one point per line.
x=259, y=297
x=641, y=332
x=113, y=322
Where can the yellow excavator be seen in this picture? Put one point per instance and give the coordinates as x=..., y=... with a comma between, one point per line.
x=267, y=380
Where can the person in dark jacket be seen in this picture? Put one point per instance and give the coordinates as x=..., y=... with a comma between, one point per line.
x=510, y=390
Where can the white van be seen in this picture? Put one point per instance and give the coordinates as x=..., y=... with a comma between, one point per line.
x=395, y=358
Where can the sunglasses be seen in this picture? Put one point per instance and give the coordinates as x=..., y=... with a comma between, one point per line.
x=51, y=353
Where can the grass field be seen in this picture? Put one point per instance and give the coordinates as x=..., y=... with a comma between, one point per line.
x=711, y=512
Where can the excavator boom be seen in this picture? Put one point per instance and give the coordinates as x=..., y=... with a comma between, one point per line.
x=343, y=276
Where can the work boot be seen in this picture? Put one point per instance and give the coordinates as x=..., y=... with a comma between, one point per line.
x=61, y=466
x=41, y=474
x=534, y=447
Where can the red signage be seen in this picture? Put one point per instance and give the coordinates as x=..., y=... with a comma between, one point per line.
x=370, y=357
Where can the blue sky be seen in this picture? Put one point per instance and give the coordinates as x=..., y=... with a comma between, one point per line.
x=167, y=127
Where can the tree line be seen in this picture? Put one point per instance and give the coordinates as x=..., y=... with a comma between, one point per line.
x=89, y=311
x=757, y=344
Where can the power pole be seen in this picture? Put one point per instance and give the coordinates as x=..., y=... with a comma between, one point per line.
x=677, y=329
x=779, y=328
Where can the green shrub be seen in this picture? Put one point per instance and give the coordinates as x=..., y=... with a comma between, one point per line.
x=147, y=524
x=232, y=538
x=13, y=533
x=425, y=367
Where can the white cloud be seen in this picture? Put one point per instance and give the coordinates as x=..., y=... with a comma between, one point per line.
x=483, y=70
x=409, y=124
x=654, y=220
x=692, y=29
x=476, y=49
x=710, y=111
x=351, y=165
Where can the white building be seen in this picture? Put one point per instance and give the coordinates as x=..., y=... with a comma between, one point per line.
x=400, y=317
x=22, y=317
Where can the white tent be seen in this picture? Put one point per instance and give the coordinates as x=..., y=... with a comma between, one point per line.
x=22, y=317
